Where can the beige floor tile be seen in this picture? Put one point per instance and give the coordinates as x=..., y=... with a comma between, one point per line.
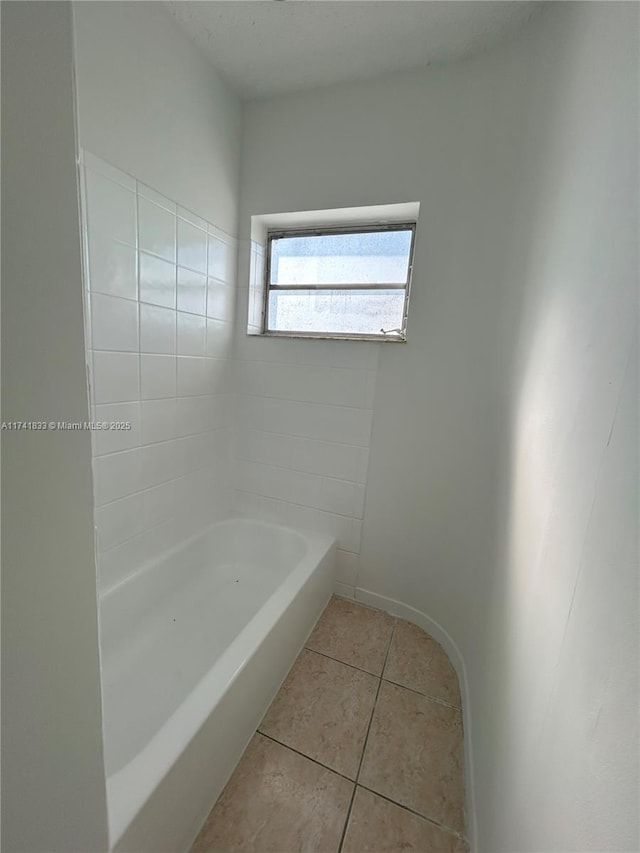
x=354, y=634
x=378, y=826
x=414, y=755
x=323, y=710
x=417, y=661
x=277, y=802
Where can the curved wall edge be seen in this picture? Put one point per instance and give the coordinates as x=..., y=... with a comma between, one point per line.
x=435, y=629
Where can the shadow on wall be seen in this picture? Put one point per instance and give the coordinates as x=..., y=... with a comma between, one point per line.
x=555, y=724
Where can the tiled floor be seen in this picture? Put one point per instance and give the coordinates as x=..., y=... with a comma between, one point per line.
x=360, y=751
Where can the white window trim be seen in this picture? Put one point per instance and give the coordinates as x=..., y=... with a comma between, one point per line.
x=345, y=220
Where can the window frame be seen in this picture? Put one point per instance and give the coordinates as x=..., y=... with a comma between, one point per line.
x=321, y=231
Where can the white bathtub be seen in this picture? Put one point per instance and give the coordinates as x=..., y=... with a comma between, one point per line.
x=194, y=648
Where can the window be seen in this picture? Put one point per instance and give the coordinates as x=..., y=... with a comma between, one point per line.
x=339, y=282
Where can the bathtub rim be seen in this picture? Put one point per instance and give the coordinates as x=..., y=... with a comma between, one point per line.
x=129, y=788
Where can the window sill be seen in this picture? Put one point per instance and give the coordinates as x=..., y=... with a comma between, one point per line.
x=322, y=336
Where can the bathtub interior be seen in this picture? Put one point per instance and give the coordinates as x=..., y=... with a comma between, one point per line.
x=164, y=627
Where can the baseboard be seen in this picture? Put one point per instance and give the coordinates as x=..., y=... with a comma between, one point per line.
x=417, y=617
x=344, y=590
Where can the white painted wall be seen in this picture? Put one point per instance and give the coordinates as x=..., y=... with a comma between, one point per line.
x=161, y=134
x=560, y=645
x=151, y=104
x=53, y=790
x=501, y=496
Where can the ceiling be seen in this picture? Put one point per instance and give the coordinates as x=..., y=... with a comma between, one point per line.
x=264, y=48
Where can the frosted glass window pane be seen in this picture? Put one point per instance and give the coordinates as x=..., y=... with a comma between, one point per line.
x=374, y=257
x=362, y=312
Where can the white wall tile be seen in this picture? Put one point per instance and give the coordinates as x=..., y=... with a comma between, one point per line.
x=111, y=209
x=192, y=292
x=114, y=323
x=191, y=334
x=307, y=420
x=354, y=355
x=116, y=377
x=218, y=375
x=335, y=423
x=112, y=267
x=304, y=407
x=118, y=521
x=220, y=298
x=158, y=419
x=159, y=503
x=194, y=414
x=342, y=497
x=157, y=198
x=369, y=388
x=306, y=413
x=115, y=440
x=192, y=247
x=157, y=330
x=346, y=531
x=220, y=446
x=156, y=230
x=101, y=167
x=246, y=504
x=363, y=465
x=193, y=452
x=219, y=258
x=223, y=414
x=265, y=447
x=198, y=221
x=158, y=463
x=157, y=376
x=192, y=376
x=157, y=282
x=117, y=475
x=168, y=476
x=241, y=319
x=327, y=458
x=219, y=338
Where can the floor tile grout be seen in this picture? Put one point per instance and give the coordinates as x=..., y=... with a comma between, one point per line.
x=357, y=785
x=354, y=782
x=304, y=755
x=412, y=811
x=424, y=695
x=388, y=680
x=366, y=739
x=337, y=660
x=346, y=821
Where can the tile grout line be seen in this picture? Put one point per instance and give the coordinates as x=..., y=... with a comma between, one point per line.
x=431, y=820
x=428, y=696
x=364, y=746
x=304, y=755
x=356, y=785
x=441, y=826
x=375, y=701
x=344, y=663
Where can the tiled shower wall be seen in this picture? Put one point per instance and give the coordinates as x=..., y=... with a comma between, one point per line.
x=304, y=412
x=280, y=432
x=160, y=305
